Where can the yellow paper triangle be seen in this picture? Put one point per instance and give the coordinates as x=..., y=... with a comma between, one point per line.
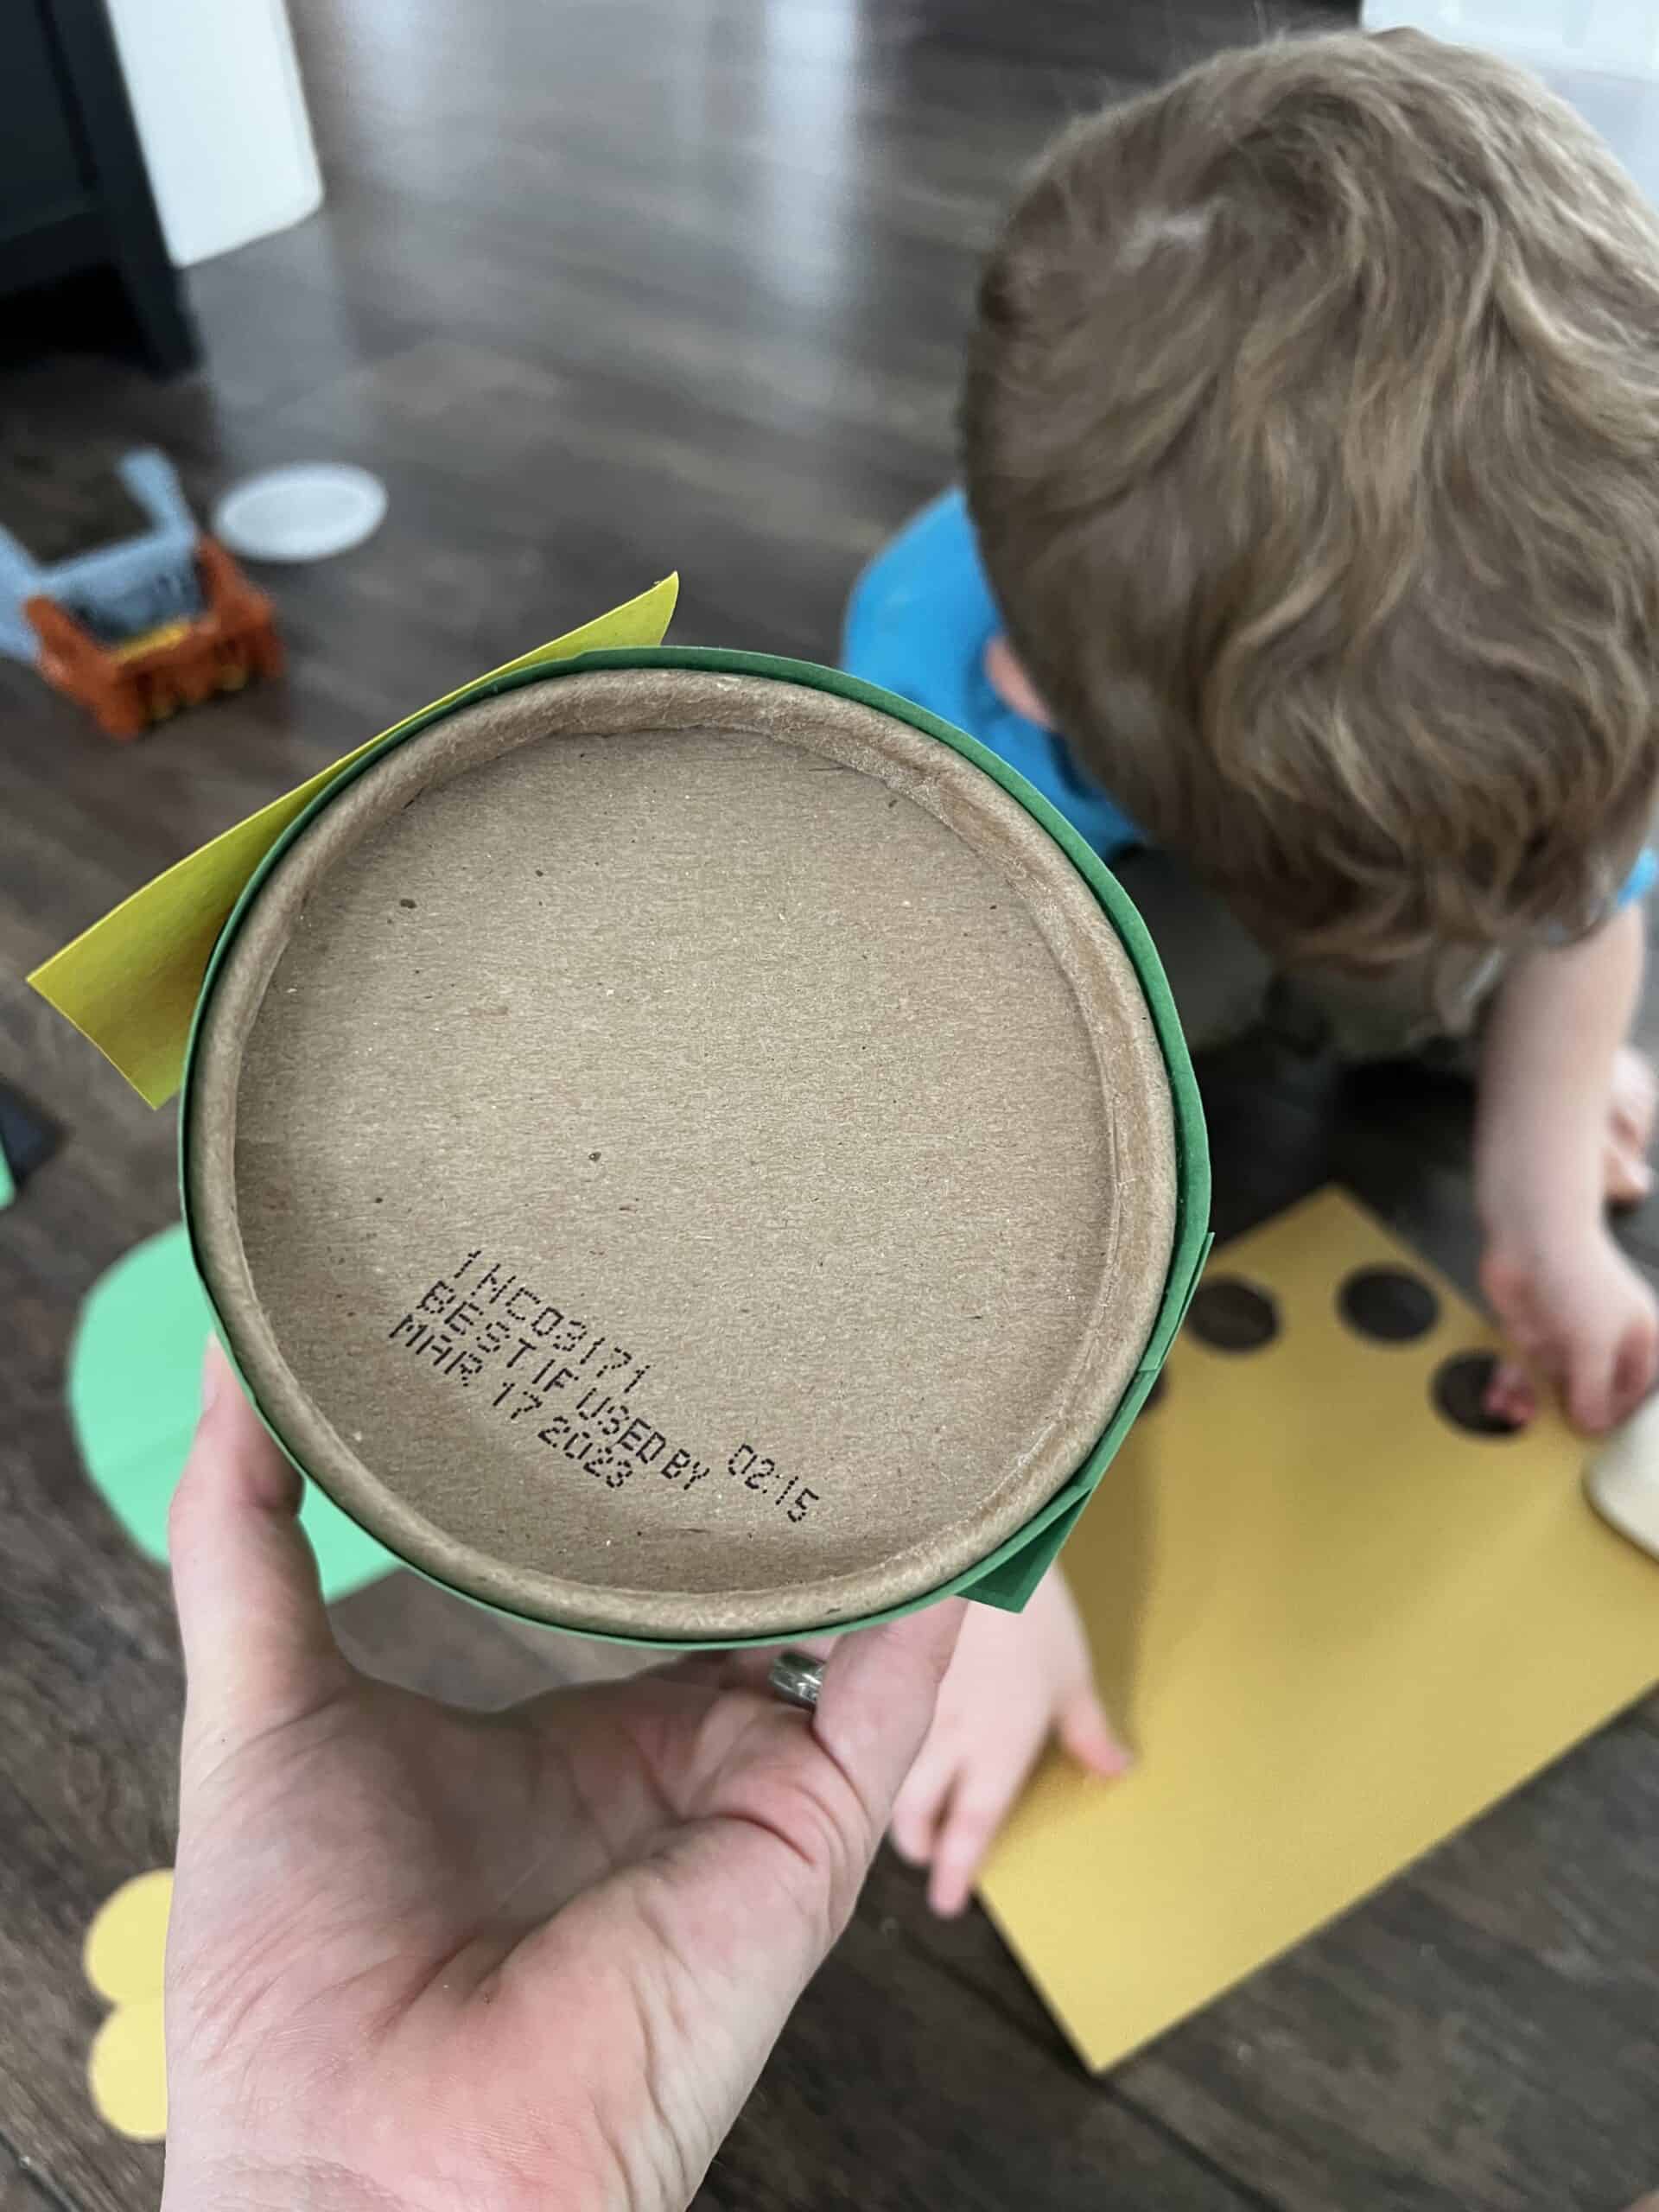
x=131, y=981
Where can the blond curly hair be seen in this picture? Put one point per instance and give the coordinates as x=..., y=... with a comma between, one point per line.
x=1311, y=436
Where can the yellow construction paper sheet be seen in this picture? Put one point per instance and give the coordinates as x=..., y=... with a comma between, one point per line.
x=130, y=981
x=1335, y=1627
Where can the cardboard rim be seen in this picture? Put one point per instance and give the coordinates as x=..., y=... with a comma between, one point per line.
x=1005, y=1572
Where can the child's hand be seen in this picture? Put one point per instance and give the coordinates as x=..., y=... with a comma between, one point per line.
x=1015, y=1679
x=1565, y=1120
x=1579, y=1315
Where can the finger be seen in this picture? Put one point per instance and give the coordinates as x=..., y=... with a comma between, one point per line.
x=741, y=1669
x=258, y=1647
x=977, y=1809
x=741, y=1909
x=1085, y=1732
x=1526, y=1332
x=920, y=1801
x=876, y=1705
x=1627, y=1177
x=1630, y=1122
x=1635, y=1094
x=1511, y=1395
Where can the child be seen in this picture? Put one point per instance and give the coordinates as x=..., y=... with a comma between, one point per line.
x=1312, y=454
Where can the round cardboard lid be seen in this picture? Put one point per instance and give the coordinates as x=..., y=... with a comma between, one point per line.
x=681, y=1154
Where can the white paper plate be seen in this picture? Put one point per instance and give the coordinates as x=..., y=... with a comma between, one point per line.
x=304, y=513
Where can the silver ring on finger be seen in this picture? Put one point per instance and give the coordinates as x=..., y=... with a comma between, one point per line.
x=797, y=1677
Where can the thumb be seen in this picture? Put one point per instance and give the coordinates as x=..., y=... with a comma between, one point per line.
x=1086, y=1734
x=258, y=1650
x=876, y=1705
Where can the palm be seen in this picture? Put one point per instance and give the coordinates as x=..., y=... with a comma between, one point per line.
x=382, y=1872
x=424, y=1958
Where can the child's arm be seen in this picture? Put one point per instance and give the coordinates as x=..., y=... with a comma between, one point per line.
x=1572, y=1305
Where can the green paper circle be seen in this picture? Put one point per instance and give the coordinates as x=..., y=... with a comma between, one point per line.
x=135, y=1390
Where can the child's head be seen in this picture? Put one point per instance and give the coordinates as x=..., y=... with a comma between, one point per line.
x=1312, y=437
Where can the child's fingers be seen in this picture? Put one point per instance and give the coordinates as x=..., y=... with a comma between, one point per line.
x=1627, y=1177
x=979, y=1805
x=920, y=1804
x=1634, y=1097
x=1511, y=1394
x=1085, y=1732
x=982, y=1798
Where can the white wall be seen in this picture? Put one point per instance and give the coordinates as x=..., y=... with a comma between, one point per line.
x=216, y=93
x=1602, y=56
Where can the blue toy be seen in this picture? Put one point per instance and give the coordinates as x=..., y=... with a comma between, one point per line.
x=120, y=591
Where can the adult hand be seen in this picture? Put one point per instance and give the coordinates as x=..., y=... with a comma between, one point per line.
x=422, y=1958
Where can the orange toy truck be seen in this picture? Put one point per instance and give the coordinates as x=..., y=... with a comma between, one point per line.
x=141, y=680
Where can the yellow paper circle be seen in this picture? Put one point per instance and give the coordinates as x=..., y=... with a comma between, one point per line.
x=126, y=2070
x=125, y=1952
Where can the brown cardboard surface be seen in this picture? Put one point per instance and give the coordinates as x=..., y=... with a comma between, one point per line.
x=682, y=1155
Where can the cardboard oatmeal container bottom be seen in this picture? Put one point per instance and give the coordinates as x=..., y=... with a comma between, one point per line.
x=687, y=1148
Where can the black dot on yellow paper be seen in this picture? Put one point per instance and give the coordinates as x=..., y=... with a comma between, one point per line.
x=1459, y=1392
x=1390, y=1305
x=1230, y=1314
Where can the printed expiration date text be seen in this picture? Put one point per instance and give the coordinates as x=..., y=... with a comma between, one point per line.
x=485, y=1327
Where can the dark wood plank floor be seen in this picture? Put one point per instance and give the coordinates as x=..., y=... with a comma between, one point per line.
x=604, y=287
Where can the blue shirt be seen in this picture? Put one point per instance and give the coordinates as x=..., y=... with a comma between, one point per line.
x=917, y=623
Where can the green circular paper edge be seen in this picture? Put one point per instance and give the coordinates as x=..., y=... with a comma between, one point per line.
x=133, y=1384
x=1052, y=1521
